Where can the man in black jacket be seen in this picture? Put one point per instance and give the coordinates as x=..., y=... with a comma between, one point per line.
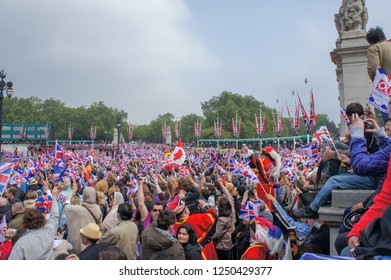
x=90, y=235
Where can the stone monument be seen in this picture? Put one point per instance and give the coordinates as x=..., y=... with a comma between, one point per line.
x=350, y=55
x=168, y=135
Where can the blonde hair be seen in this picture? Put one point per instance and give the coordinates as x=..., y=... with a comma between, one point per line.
x=172, y=186
x=112, y=190
x=230, y=187
x=75, y=200
x=100, y=198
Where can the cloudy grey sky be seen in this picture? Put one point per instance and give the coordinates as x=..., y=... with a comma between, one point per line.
x=149, y=57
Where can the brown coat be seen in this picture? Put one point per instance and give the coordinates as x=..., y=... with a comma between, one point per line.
x=123, y=236
x=17, y=223
x=379, y=54
x=78, y=217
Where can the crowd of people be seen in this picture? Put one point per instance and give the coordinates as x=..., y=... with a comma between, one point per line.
x=163, y=202
x=215, y=204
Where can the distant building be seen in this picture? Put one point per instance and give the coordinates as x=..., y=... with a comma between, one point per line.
x=21, y=133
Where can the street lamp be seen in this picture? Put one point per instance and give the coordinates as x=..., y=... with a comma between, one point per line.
x=7, y=87
x=118, y=126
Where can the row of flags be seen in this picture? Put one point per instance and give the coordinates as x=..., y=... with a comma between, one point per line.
x=64, y=163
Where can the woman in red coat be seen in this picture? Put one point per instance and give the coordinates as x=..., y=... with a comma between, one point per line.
x=380, y=202
x=267, y=168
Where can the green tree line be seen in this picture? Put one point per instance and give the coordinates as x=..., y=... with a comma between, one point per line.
x=226, y=106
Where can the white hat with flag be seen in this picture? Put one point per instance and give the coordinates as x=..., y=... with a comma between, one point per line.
x=178, y=155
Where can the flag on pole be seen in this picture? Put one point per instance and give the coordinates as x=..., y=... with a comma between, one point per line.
x=297, y=118
x=305, y=116
x=178, y=156
x=321, y=135
x=6, y=169
x=57, y=152
x=312, y=117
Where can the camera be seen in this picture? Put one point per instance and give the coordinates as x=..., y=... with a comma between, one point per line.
x=367, y=125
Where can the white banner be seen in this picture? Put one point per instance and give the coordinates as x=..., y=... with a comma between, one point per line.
x=380, y=94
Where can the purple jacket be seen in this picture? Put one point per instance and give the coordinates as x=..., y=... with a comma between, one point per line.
x=369, y=165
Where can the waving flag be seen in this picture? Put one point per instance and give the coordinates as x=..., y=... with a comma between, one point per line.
x=250, y=210
x=321, y=135
x=213, y=159
x=178, y=156
x=5, y=174
x=58, y=153
x=44, y=203
x=345, y=117
x=221, y=170
x=16, y=178
x=311, y=150
x=236, y=168
x=59, y=169
x=183, y=172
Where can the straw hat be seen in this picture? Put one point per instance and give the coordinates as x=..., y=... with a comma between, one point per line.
x=91, y=231
x=32, y=181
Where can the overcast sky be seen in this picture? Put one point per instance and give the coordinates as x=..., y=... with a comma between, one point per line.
x=150, y=57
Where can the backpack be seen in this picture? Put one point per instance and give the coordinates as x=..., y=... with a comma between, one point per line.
x=376, y=240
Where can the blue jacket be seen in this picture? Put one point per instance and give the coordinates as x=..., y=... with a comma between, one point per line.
x=302, y=228
x=369, y=165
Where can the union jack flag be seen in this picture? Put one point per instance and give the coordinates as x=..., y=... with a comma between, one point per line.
x=236, y=168
x=58, y=153
x=321, y=134
x=6, y=169
x=183, y=172
x=250, y=210
x=312, y=118
x=132, y=186
x=220, y=169
x=44, y=203
x=304, y=113
x=59, y=170
x=310, y=150
x=16, y=178
x=213, y=159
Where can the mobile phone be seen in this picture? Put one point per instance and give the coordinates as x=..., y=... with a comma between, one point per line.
x=11, y=232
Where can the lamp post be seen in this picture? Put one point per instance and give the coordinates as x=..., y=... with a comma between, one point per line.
x=118, y=126
x=7, y=87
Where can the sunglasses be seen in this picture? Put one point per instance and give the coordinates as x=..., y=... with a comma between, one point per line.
x=156, y=210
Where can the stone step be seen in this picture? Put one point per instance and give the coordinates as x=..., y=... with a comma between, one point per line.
x=331, y=214
x=347, y=198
